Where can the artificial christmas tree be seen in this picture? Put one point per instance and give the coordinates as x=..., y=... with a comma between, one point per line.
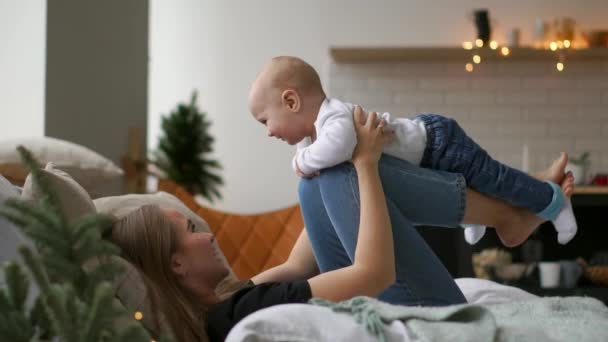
x=69, y=266
x=183, y=149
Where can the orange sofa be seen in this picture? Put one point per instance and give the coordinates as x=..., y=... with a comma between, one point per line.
x=251, y=243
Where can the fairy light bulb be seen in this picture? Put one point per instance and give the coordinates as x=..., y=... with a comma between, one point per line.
x=478, y=42
x=467, y=45
x=138, y=315
x=559, y=66
x=566, y=44
x=476, y=59
x=493, y=45
x=505, y=51
x=469, y=67
x=553, y=46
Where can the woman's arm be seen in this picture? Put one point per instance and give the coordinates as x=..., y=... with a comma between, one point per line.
x=373, y=269
x=300, y=265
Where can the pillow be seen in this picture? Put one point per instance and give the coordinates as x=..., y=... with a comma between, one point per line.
x=482, y=291
x=10, y=236
x=308, y=323
x=97, y=174
x=74, y=201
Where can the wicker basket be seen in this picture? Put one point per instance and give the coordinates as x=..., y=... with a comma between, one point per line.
x=597, y=275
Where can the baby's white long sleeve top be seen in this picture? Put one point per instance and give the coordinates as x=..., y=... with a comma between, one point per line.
x=336, y=138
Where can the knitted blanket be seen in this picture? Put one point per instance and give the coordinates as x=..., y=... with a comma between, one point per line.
x=543, y=319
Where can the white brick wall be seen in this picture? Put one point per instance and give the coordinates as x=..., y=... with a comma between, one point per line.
x=502, y=104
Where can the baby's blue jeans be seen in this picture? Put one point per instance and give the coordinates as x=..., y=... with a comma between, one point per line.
x=450, y=149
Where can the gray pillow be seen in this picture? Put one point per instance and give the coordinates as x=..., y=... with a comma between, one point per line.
x=10, y=236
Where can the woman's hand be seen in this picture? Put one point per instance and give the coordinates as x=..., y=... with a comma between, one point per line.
x=371, y=137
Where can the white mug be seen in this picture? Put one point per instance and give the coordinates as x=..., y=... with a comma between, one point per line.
x=549, y=274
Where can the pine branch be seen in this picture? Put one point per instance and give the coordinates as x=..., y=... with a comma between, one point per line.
x=35, y=213
x=17, y=285
x=92, y=328
x=70, y=297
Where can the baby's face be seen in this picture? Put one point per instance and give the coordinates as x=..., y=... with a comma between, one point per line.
x=280, y=122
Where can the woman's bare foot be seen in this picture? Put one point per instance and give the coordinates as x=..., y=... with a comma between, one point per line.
x=517, y=228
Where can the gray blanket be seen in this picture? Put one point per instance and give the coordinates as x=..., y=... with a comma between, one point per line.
x=544, y=319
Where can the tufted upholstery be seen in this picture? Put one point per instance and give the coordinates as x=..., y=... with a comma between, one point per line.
x=251, y=243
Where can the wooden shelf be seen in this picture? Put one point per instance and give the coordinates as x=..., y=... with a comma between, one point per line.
x=397, y=54
x=590, y=190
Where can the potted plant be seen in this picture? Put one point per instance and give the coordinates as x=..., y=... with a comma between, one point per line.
x=578, y=167
x=184, y=148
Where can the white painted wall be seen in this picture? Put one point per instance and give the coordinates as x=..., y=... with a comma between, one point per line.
x=218, y=46
x=22, y=55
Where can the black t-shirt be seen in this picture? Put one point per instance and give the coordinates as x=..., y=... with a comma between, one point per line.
x=224, y=315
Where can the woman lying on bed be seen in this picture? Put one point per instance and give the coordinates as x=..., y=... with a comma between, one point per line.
x=341, y=254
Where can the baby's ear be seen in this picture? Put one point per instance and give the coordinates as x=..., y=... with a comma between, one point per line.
x=291, y=100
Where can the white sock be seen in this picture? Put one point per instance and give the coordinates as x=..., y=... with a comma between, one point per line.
x=565, y=223
x=473, y=232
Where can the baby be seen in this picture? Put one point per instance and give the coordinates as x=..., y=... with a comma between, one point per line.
x=287, y=97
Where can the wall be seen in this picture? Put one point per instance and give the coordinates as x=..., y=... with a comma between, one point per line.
x=22, y=59
x=97, y=72
x=503, y=104
x=217, y=47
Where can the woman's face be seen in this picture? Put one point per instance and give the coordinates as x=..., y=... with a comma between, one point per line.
x=197, y=259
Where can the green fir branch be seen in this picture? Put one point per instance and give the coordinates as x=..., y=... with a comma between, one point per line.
x=17, y=285
x=72, y=296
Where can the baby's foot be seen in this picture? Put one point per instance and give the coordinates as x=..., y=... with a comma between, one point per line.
x=556, y=172
x=565, y=222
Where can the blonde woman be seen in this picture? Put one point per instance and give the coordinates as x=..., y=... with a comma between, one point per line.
x=182, y=270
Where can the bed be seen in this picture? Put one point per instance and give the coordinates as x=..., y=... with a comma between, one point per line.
x=256, y=242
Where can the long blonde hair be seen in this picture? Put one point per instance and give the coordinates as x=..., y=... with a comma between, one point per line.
x=148, y=239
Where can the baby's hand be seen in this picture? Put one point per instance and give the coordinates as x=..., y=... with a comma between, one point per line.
x=304, y=175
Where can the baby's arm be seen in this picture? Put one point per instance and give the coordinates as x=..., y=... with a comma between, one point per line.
x=334, y=145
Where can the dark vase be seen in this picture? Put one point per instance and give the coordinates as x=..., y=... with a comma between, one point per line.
x=482, y=23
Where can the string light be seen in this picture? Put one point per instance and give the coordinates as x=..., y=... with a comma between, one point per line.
x=476, y=59
x=469, y=67
x=505, y=51
x=478, y=42
x=493, y=45
x=553, y=46
x=559, y=66
x=138, y=315
x=467, y=45
x=566, y=44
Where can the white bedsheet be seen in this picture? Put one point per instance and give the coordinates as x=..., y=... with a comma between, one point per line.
x=308, y=323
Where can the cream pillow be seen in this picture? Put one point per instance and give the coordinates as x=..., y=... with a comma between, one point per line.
x=97, y=174
x=74, y=201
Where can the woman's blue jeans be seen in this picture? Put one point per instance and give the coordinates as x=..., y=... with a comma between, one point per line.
x=330, y=207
